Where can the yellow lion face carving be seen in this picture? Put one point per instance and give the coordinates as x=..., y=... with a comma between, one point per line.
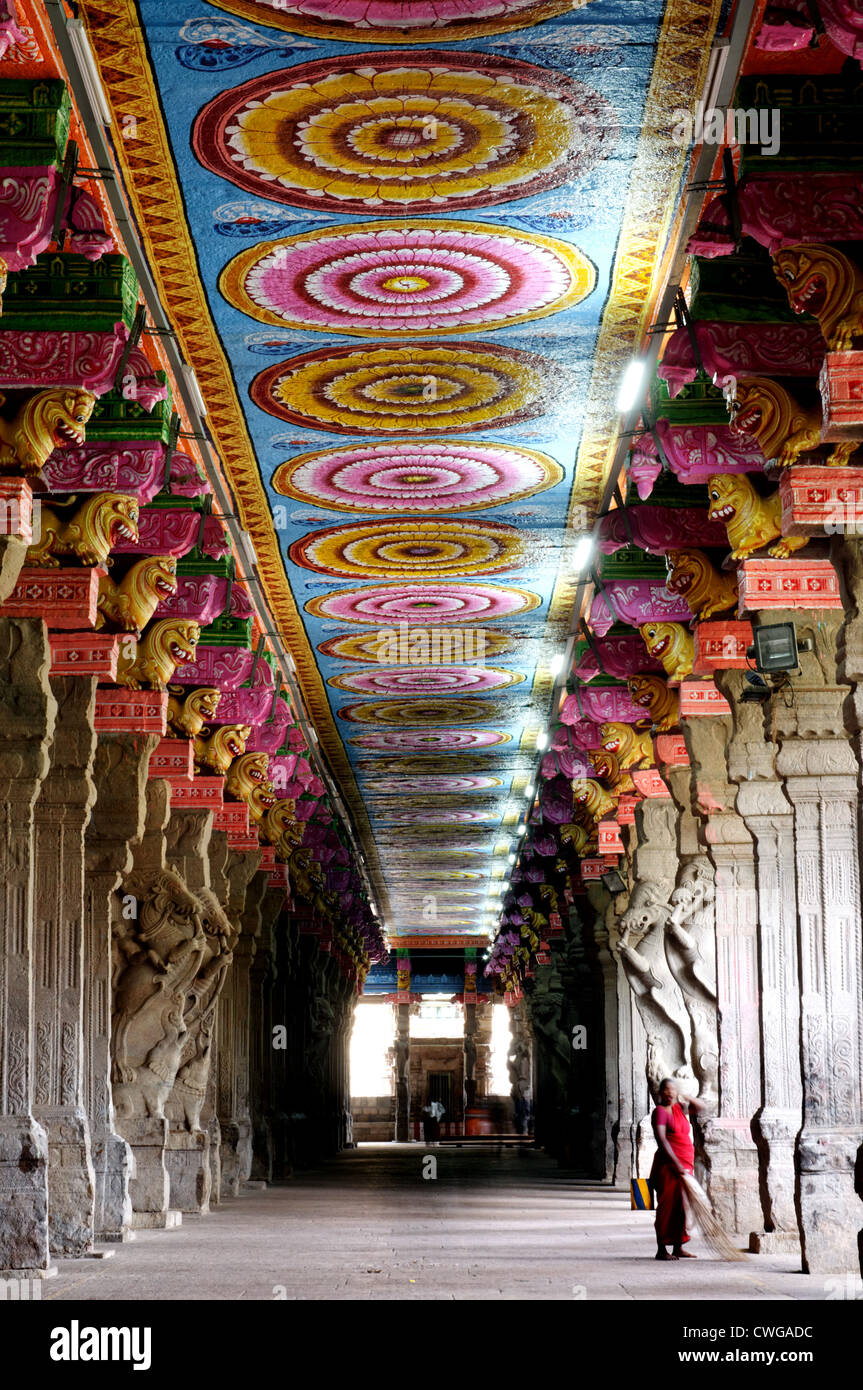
x=783, y=428
x=187, y=714
x=705, y=588
x=592, y=797
x=224, y=744
x=49, y=420
x=131, y=603
x=628, y=745
x=165, y=645
x=246, y=773
x=661, y=705
x=821, y=281
x=672, y=645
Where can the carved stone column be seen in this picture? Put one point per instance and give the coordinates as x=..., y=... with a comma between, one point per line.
x=730, y=1152
x=520, y=1066
x=469, y=1053
x=610, y=1126
x=116, y=823
x=27, y=714
x=821, y=775
x=403, y=1071
x=769, y=817
x=60, y=817
x=234, y=1008
x=262, y=980
x=156, y=953
x=484, y=1015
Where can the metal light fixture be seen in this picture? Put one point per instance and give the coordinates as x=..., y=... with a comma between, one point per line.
x=774, y=648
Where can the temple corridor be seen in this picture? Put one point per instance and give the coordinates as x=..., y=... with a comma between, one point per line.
x=494, y=1224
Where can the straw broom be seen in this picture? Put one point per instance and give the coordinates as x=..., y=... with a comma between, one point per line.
x=700, y=1212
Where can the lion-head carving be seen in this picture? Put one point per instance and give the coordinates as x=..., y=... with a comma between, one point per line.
x=672, y=645
x=188, y=713
x=705, y=588
x=246, y=773
x=49, y=420
x=166, y=644
x=821, y=281
x=224, y=744
x=661, y=705
x=131, y=603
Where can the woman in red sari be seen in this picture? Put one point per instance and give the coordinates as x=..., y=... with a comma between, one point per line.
x=675, y=1155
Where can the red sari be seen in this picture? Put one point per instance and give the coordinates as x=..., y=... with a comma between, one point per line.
x=667, y=1184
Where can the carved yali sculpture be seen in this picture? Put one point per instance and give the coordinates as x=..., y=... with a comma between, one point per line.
x=751, y=521
x=156, y=957
x=165, y=645
x=673, y=645
x=705, y=588
x=89, y=534
x=821, y=281
x=190, y=1087
x=784, y=429
x=224, y=744
x=187, y=716
x=49, y=420
x=130, y=603
x=689, y=946
x=642, y=955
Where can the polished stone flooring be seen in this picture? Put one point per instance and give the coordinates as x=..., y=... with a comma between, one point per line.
x=492, y=1224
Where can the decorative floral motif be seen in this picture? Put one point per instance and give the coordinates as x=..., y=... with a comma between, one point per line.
x=377, y=646
x=410, y=549
x=426, y=680
x=394, y=21
x=436, y=741
x=429, y=604
x=433, y=277
x=408, y=476
x=413, y=389
x=397, y=134
x=418, y=786
x=420, y=711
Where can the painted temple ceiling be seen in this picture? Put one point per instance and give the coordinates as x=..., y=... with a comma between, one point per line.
x=408, y=249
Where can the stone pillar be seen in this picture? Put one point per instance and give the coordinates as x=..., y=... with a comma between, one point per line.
x=262, y=980
x=817, y=760
x=403, y=1072
x=27, y=714
x=520, y=1066
x=484, y=1015
x=609, y=1127
x=116, y=823
x=145, y=1037
x=60, y=817
x=470, y=1053
x=234, y=1009
x=729, y=1148
x=769, y=817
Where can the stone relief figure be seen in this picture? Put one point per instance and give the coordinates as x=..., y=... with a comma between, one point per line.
x=642, y=954
x=688, y=949
x=156, y=957
x=187, y=1098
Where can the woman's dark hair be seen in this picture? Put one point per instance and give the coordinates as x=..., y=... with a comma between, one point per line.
x=667, y=1081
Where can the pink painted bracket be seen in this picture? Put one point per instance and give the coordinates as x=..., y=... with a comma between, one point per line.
x=649, y=782
x=16, y=508
x=67, y=596
x=173, y=760
x=84, y=654
x=201, y=794
x=841, y=384
x=721, y=646
x=819, y=501
x=787, y=584
x=131, y=711
x=701, y=698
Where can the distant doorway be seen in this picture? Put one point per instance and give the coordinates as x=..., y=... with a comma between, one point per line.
x=440, y=1088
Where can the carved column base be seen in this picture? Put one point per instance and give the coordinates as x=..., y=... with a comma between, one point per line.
x=776, y=1138
x=829, y=1206
x=150, y=1188
x=214, y=1134
x=236, y=1156
x=731, y=1177
x=114, y=1167
x=187, y=1159
x=23, y=1195
x=71, y=1180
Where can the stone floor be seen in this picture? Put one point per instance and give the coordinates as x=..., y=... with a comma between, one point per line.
x=367, y=1225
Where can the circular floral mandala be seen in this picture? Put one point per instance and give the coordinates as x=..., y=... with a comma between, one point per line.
x=410, y=549
x=416, y=388
x=398, y=21
x=411, y=646
x=429, y=604
x=437, y=277
x=410, y=476
x=420, y=711
x=433, y=741
x=407, y=786
x=426, y=680
x=404, y=133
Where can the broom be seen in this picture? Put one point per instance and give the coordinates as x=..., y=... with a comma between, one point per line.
x=700, y=1212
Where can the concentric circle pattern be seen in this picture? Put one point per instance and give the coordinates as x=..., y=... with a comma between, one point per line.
x=418, y=786
x=426, y=680
x=398, y=133
x=442, y=817
x=441, y=277
x=410, y=549
x=418, y=712
x=413, y=389
x=430, y=604
x=431, y=741
x=409, y=476
x=417, y=646
x=398, y=21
